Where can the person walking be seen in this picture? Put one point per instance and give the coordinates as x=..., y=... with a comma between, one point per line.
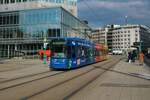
x=141, y=58
x=133, y=56
x=129, y=57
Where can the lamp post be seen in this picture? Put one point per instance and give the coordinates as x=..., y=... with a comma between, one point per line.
x=126, y=19
x=140, y=46
x=44, y=45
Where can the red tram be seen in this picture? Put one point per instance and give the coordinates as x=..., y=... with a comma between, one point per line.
x=101, y=52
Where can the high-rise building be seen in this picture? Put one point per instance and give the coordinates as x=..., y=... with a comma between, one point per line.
x=13, y=5
x=26, y=24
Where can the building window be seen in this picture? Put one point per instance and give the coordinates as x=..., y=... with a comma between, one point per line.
x=18, y=0
x=1, y=2
x=1, y=20
x=6, y=1
x=12, y=1
x=53, y=32
x=136, y=39
x=24, y=0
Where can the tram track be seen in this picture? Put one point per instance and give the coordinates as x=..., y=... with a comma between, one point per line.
x=13, y=69
x=90, y=81
x=22, y=66
x=3, y=84
x=38, y=94
x=21, y=77
x=10, y=63
x=13, y=82
x=52, y=81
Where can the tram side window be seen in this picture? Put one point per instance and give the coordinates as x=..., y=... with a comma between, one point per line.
x=86, y=49
x=79, y=51
x=90, y=52
x=73, y=52
x=83, y=52
x=96, y=52
x=101, y=52
x=69, y=52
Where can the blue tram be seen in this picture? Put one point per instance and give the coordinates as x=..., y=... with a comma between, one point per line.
x=70, y=53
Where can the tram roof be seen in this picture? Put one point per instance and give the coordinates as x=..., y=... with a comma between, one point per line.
x=75, y=39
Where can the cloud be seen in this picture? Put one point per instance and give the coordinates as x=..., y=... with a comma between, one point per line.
x=134, y=9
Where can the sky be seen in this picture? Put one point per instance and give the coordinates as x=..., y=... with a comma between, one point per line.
x=103, y=12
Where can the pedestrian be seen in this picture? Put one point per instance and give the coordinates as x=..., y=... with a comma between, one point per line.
x=129, y=57
x=141, y=58
x=133, y=56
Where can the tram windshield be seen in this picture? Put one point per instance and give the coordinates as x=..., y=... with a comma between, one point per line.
x=58, y=48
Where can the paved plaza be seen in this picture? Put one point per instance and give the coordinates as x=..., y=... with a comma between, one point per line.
x=126, y=81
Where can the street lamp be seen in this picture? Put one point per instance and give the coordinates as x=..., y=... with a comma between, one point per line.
x=126, y=19
x=44, y=46
x=140, y=46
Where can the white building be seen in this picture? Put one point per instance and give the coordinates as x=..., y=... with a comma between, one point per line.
x=100, y=35
x=13, y=5
x=124, y=37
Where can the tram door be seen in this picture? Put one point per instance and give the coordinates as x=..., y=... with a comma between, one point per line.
x=71, y=52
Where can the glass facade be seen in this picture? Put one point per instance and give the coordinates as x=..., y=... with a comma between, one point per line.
x=23, y=32
x=30, y=24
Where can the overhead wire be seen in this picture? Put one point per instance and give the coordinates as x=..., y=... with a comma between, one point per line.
x=94, y=14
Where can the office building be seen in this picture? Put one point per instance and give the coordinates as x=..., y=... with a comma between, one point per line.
x=103, y=36
x=13, y=5
x=123, y=37
x=23, y=31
